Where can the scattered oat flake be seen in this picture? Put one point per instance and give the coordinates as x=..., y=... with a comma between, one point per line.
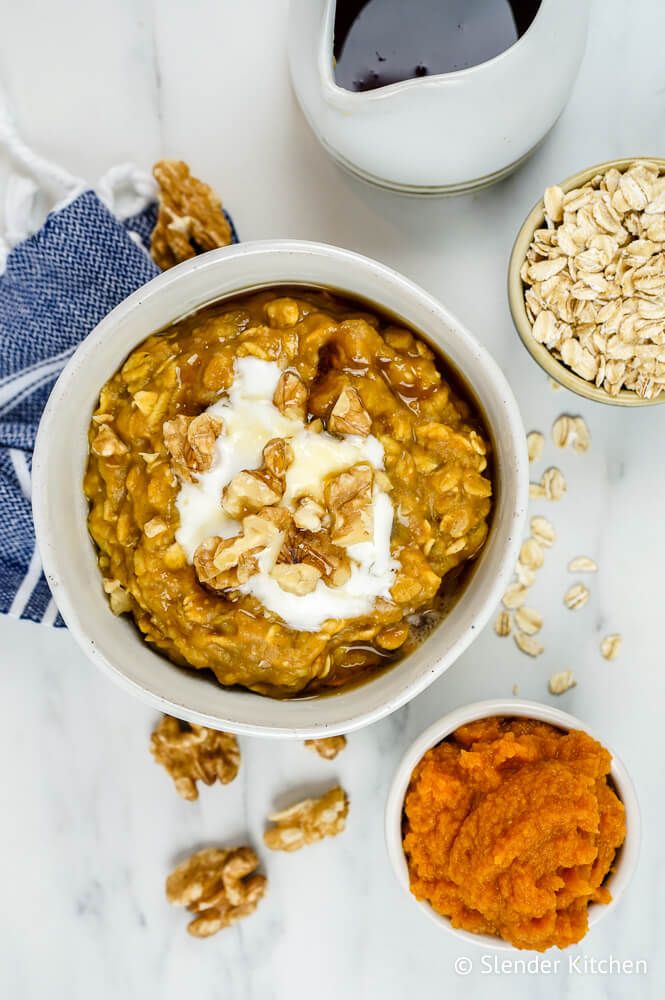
x=582, y=436
x=502, y=626
x=576, y=596
x=531, y=554
x=611, y=645
x=536, y=491
x=554, y=483
x=562, y=431
x=562, y=682
x=543, y=531
x=535, y=442
x=516, y=690
x=515, y=596
x=525, y=575
x=528, y=620
x=527, y=644
x=582, y=564
x=554, y=384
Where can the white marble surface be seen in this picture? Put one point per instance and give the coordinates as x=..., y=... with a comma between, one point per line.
x=89, y=824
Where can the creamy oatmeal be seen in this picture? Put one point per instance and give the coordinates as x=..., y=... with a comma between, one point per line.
x=284, y=488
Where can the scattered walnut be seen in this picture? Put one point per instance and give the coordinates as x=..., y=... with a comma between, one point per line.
x=218, y=886
x=308, y=821
x=349, y=499
x=192, y=753
x=291, y=396
x=296, y=578
x=190, y=441
x=119, y=598
x=328, y=746
x=348, y=415
x=277, y=457
x=190, y=219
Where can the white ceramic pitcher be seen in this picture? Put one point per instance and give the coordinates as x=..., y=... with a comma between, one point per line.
x=441, y=134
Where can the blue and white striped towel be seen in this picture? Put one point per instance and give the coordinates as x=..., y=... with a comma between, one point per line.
x=57, y=285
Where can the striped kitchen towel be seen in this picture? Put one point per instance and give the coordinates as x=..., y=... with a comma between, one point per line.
x=55, y=286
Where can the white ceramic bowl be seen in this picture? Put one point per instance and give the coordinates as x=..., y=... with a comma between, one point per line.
x=60, y=508
x=628, y=853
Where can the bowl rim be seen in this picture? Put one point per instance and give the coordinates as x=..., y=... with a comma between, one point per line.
x=278, y=256
x=540, y=354
x=519, y=708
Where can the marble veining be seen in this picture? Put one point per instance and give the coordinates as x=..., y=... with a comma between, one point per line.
x=90, y=826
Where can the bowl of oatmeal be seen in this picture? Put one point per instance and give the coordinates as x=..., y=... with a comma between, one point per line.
x=279, y=490
x=512, y=826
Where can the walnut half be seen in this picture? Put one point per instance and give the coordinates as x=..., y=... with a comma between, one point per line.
x=308, y=821
x=348, y=415
x=190, y=219
x=190, y=441
x=192, y=753
x=349, y=498
x=218, y=886
x=327, y=747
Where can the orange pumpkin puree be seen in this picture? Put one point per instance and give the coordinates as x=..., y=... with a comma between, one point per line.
x=511, y=828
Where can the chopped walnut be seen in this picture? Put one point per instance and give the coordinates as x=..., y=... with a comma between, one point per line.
x=291, y=396
x=248, y=492
x=308, y=821
x=190, y=441
x=218, y=886
x=223, y=563
x=190, y=220
x=192, y=753
x=251, y=490
x=349, y=498
x=119, y=599
x=328, y=746
x=296, y=578
x=348, y=415
x=318, y=551
x=309, y=515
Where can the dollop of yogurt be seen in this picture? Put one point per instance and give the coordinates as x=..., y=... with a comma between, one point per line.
x=250, y=419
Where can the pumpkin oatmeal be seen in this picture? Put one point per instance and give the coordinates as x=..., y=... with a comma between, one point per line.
x=285, y=489
x=511, y=827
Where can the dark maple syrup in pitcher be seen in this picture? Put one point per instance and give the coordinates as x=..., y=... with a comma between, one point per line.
x=378, y=42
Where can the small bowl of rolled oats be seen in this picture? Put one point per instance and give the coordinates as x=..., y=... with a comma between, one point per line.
x=586, y=282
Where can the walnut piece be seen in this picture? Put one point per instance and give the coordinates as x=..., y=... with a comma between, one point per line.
x=296, y=578
x=223, y=563
x=190, y=441
x=190, y=219
x=291, y=396
x=218, y=886
x=192, y=753
x=107, y=444
x=308, y=821
x=349, y=498
x=309, y=515
x=348, y=415
x=328, y=746
x=253, y=489
x=318, y=551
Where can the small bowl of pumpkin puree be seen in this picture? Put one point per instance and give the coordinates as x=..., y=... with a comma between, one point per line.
x=512, y=825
